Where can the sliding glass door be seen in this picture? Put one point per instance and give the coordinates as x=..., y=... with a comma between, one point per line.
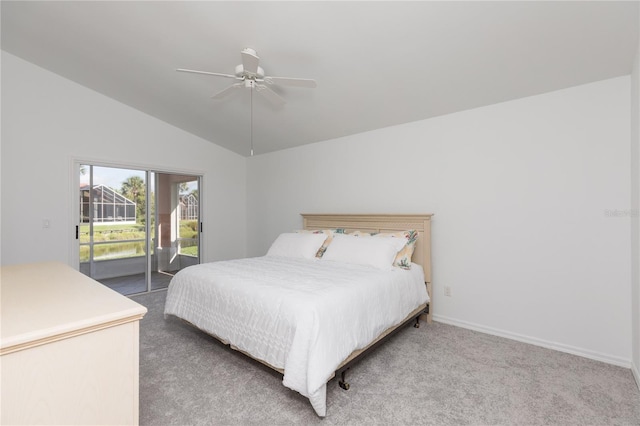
x=137, y=228
x=177, y=229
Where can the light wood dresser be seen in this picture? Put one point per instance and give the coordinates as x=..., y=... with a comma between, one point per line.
x=69, y=348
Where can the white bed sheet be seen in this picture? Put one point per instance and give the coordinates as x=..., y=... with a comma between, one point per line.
x=303, y=316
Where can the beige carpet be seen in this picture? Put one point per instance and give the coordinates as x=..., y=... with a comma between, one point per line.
x=437, y=374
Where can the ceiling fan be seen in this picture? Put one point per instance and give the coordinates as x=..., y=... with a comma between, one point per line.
x=251, y=76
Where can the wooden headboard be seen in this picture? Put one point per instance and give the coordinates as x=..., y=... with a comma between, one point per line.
x=383, y=223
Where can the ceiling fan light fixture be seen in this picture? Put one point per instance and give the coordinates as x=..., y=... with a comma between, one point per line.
x=240, y=73
x=251, y=76
x=249, y=70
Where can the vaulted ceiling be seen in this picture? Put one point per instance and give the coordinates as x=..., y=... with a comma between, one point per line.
x=376, y=64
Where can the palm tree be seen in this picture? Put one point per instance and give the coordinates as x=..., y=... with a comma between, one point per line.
x=133, y=188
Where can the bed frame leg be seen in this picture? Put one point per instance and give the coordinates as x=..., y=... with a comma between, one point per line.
x=417, y=324
x=343, y=383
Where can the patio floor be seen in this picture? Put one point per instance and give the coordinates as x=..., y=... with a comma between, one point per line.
x=132, y=284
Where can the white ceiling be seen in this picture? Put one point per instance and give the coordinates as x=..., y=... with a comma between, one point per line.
x=377, y=64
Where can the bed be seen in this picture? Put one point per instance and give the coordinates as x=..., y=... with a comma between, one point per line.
x=310, y=318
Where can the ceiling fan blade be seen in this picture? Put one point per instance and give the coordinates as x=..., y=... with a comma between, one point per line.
x=226, y=91
x=288, y=81
x=207, y=73
x=270, y=95
x=250, y=61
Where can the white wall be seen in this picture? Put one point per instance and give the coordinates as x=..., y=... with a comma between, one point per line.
x=529, y=199
x=47, y=121
x=635, y=216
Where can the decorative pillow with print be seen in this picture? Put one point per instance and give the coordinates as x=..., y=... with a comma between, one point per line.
x=403, y=258
x=328, y=232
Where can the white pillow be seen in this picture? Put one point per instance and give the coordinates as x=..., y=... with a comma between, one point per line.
x=296, y=245
x=377, y=252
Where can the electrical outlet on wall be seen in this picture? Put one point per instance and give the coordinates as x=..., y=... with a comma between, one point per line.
x=447, y=290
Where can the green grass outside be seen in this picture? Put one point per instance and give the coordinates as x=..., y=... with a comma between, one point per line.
x=189, y=251
x=114, y=233
x=188, y=229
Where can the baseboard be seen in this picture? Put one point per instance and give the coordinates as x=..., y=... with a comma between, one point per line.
x=597, y=356
x=636, y=374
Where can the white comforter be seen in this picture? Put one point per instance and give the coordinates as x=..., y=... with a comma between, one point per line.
x=303, y=316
